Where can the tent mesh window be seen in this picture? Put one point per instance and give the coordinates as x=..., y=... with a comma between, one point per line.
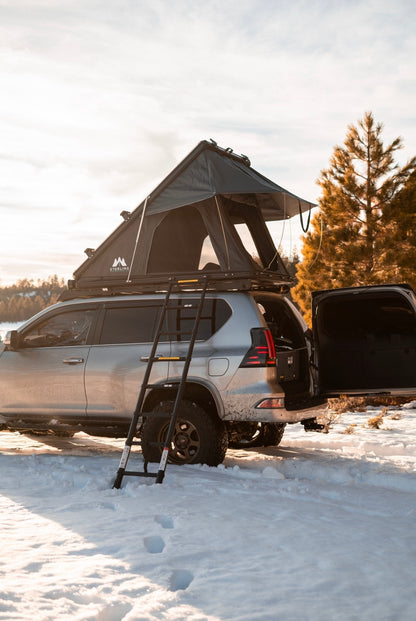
x=177, y=242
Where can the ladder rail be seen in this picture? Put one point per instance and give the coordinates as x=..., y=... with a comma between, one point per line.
x=181, y=387
x=142, y=393
x=159, y=476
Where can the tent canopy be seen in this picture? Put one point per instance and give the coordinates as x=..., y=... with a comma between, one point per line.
x=202, y=217
x=209, y=171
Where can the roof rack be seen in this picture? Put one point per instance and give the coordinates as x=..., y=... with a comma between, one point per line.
x=242, y=281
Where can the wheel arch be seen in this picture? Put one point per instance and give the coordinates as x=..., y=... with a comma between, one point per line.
x=199, y=392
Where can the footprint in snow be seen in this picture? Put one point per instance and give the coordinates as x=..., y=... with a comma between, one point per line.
x=33, y=567
x=180, y=579
x=164, y=520
x=113, y=612
x=154, y=544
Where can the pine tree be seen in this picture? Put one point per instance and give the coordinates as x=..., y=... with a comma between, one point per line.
x=399, y=221
x=348, y=242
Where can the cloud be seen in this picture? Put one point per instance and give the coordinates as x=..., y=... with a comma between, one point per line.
x=100, y=100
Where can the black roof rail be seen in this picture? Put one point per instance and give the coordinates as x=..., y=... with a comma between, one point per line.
x=159, y=283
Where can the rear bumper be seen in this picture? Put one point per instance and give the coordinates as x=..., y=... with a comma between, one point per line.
x=242, y=408
x=249, y=387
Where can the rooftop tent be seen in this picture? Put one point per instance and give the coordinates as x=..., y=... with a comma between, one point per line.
x=208, y=216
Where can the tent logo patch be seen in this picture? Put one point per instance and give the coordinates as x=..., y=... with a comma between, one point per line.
x=119, y=265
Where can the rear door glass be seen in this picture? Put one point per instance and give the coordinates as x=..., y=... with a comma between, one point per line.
x=131, y=324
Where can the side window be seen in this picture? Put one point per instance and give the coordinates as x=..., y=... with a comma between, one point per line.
x=134, y=324
x=63, y=329
x=214, y=315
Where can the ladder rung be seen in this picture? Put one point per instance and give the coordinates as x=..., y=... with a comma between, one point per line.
x=164, y=386
x=163, y=358
x=181, y=307
x=131, y=473
x=176, y=332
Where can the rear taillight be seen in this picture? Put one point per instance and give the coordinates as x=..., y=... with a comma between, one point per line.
x=262, y=352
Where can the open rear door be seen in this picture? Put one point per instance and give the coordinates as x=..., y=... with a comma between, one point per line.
x=365, y=340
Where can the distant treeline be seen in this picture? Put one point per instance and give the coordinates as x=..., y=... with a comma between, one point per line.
x=27, y=297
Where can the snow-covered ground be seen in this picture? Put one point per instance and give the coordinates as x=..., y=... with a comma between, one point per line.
x=320, y=528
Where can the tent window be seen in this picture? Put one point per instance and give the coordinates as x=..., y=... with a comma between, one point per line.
x=208, y=259
x=180, y=243
x=248, y=242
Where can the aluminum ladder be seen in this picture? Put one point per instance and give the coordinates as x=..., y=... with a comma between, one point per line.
x=198, y=285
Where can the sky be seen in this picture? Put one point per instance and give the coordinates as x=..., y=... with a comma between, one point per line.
x=101, y=99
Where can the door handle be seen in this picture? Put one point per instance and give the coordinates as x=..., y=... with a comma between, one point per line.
x=73, y=360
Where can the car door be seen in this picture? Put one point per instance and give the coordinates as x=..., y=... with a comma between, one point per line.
x=118, y=358
x=44, y=375
x=365, y=340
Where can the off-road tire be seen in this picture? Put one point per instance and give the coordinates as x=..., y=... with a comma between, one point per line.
x=199, y=437
x=272, y=434
x=250, y=435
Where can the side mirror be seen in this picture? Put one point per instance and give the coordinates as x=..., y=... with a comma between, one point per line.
x=12, y=340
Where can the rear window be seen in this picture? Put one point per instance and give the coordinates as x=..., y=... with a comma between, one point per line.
x=138, y=324
x=214, y=315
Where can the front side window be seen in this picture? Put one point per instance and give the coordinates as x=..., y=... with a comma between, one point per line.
x=63, y=329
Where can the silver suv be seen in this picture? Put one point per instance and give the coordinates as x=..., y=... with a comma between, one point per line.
x=79, y=365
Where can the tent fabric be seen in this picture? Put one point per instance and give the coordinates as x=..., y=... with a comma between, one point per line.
x=211, y=173
x=204, y=200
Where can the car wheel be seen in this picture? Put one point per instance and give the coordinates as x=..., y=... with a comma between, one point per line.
x=198, y=436
x=272, y=433
x=245, y=434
